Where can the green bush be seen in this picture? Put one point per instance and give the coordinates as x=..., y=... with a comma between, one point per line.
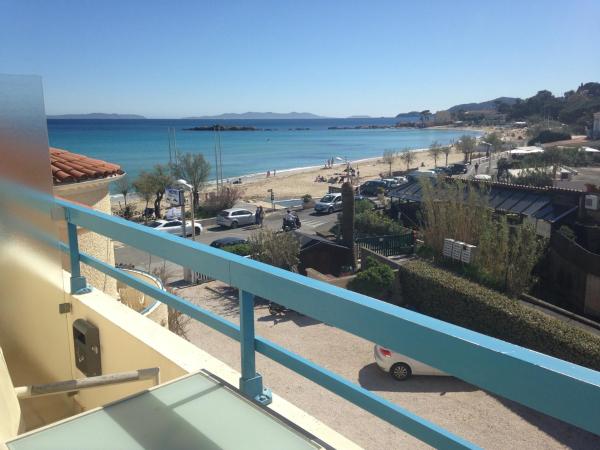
x=238, y=249
x=306, y=198
x=375, y=280
x=371, y=223
x=549, y=136
x=440, y=294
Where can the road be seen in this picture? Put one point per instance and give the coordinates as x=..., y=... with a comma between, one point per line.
x=125, y=254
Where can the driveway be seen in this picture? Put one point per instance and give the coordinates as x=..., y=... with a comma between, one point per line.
x=486, y=420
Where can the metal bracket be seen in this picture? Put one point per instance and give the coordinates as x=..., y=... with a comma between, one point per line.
x=58, y=213
x=253, y=389
x=79, y=286
x=64, y=308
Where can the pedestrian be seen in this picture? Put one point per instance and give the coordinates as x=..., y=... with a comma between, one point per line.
x=262, y=216
x=268, y=173
x=257, y=216
x=274, y=172
x=476, y=167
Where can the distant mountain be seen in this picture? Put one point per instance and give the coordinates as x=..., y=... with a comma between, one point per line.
x=359, y=117
x=408, y=117
x=96, y=116
x=483, y=106
x=261, y=115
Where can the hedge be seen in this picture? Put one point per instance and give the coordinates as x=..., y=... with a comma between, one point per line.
x=445, y=296
x=375, y=280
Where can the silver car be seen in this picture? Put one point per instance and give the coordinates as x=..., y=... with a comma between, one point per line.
x=235, y=217
x=329, y=203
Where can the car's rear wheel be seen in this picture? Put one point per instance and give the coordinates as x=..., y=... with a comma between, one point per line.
x=234, y=224
x=330, y=210
x=400, y=371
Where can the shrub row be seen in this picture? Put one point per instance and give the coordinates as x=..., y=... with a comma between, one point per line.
x=445, y=296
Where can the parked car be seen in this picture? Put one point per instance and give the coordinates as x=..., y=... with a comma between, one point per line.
x=372, y=188
x=441, y=170
x=174, y=226
x=418, y=174
x=401, y=179
x=390, y=183
x=401, y=367
x=457, y=168
x=483, y=177
x=235, y=217
x=329, y=203
x=230, y=240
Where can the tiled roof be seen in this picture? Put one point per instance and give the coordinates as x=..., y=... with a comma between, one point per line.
x=70, y=167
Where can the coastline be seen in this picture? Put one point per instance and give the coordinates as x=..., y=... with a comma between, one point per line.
x=295, y=182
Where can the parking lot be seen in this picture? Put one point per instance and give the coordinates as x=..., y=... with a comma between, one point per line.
x=484, y=419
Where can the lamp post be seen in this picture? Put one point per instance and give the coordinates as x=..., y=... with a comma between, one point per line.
x=188, y=275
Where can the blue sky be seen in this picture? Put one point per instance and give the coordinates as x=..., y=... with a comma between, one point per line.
x=174, y=59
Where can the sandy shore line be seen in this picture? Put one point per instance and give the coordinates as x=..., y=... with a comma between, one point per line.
x=296, y=182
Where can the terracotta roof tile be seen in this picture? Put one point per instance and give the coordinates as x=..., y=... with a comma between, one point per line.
x=70, y=167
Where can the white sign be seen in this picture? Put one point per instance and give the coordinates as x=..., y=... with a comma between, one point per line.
x=174, y=196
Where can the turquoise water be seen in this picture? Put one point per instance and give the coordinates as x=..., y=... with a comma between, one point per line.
x=139, y=144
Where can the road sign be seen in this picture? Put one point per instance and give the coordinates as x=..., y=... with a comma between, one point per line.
x=174, y=196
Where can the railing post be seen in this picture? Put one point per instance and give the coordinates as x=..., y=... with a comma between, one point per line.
x=250, y=381
x=78, y=282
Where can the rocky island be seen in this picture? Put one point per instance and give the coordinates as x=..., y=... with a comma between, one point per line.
x=222, y=128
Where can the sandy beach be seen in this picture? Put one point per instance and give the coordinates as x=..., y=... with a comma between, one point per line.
x=294, y=183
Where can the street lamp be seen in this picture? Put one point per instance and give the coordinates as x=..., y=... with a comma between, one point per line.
x=187, y=273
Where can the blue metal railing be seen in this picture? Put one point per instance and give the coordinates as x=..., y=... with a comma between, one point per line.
x=549, y=385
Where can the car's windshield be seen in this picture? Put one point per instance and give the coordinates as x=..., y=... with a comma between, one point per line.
x=224, y=214
x=154, y=224
x=328, y=198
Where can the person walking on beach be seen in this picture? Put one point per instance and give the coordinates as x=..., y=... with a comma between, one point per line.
x=268, y=173
x=261, y=216
x=274, y=172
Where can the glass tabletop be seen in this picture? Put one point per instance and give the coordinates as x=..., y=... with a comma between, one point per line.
x=194, y=412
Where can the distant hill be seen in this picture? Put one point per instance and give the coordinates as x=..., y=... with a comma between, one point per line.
x=96, y=116
x=483, y=106
x=261, y=115
x=409, y=116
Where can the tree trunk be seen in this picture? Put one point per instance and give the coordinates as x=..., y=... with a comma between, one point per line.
x=348, y=219
x=157, y=201
x=125, y=198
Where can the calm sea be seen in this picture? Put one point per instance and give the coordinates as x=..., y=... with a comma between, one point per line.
x=139, y=144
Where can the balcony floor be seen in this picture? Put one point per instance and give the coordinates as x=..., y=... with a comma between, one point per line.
x=193, y=412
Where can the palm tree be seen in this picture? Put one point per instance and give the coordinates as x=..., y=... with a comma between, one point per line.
x=193, y=168
x=389, y=157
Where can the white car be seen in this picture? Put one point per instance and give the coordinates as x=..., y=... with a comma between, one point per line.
x=174, y=227
x=402, y=367
x=235, y=217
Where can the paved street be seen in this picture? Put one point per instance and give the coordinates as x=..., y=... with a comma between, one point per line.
x=143, y=260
